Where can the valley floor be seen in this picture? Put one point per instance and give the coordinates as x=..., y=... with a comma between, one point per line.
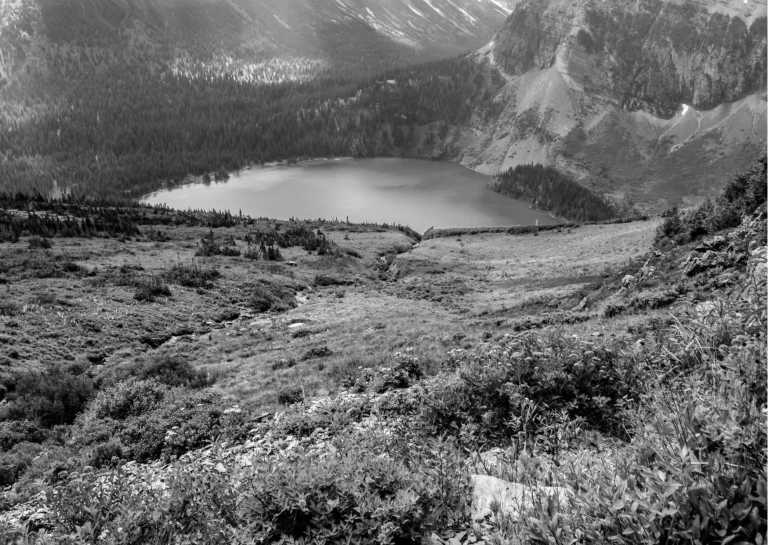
x=429, y=297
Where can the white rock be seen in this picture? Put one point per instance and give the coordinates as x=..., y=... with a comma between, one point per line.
x=513, y=499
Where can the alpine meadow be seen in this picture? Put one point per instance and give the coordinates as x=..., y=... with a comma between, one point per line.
x=434, y=272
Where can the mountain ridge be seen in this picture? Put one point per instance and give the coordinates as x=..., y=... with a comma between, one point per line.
x=565, y=104
x=345, y=33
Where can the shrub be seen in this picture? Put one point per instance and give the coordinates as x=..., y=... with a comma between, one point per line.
x=517, y=385
x=324, y=280
x=404, y=372
x=39, y=243
x=192, y=276
x=16, y=460
x=208, y=246
x=9, y=308
x=317, y=352
x=150, y=289
x=49, y=398
x=172, y=371
x=290, y=395
x=265, y=295
x=132, y=397
x=105, y=454
x=18, y=431
x=283, y=363
x=231, y=251
x=182, y=423
x=369, y=489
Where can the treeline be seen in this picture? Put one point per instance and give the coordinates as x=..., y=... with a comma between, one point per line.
x=743, y=196
x=549, y=189
x=124, y=131
x=23, y=214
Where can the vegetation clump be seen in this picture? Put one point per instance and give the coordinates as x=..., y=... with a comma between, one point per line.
x=548, y=189
x=192, y=275
x=148, y=290
x=742, y=196
x=266, y=295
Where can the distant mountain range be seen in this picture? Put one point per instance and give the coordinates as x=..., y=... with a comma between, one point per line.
x=295, y=38
x=651, y=103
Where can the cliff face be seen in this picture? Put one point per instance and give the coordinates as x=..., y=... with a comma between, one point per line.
x=653, y=101
x=652, y=55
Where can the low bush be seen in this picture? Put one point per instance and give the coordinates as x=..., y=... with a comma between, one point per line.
x=265, y=295
x=290, y=395
x=517, y=386
x=209, y=246
x=180, y=425
x=132, y=397
x=192, y=276
x=283, y=363
x=369, y=489
x=18, y=431
x=49, y=398
x=15, y=461
x=317, y=352
x=149, y=289
x=172, y=371
x=36, y=243
x=150, y=420
x=230, y=251
x=404, y=371
x=324, y=280
x=106, y=454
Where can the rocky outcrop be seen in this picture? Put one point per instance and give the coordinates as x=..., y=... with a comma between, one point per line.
x=652, y=55
x=652, y=102
x=491, y=495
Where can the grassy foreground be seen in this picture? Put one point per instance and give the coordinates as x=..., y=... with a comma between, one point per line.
x=192, y=378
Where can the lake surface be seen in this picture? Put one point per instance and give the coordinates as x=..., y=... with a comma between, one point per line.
x=421, y=194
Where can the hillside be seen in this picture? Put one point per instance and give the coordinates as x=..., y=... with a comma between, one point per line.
x=253, y=40
x=216, y=379
x=651, y=102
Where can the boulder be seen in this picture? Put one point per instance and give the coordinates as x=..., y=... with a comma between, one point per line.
x=512, y=499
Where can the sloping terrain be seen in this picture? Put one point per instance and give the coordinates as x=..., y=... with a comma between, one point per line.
x=650, y=102
x=215, y=379
x=256, y=40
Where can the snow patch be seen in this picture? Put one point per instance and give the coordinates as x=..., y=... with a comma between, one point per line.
x=414, y=10
x=434, y=8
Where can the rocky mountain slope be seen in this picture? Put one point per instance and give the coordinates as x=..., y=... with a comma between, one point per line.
x=651, y=100
x=238, y=36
